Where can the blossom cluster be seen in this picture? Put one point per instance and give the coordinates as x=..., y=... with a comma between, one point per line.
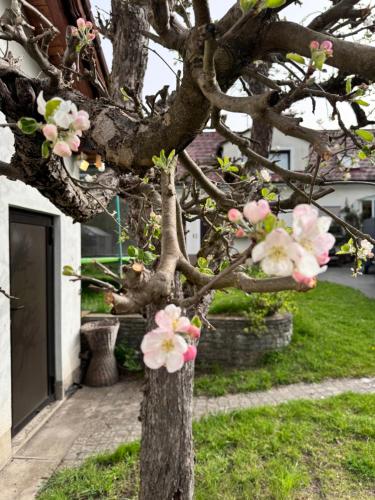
x=62, y=128
x=362, y=250
x=85, y=33
x=301, y=252
x=171, y=344
x=365, y=250
x=64, y=125
x=320, y=52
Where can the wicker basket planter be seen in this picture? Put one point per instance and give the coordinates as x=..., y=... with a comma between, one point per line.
x=101, y=338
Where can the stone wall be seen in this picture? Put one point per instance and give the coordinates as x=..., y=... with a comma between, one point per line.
x=228, y=345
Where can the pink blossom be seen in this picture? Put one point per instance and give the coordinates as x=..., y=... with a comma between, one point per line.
x=327, y=46
x=240, y=233
x=277, y=253
x=170, y=319
x=234, y=215
x=311, y=232
x=256, y=211
x=88, y=25
x=81, y=23
x=50, y=132
x=62, y=149
x=299, y=278
x=73, y=142
x=193, y=331
x=164, y=348
x=365, y=250
x=266, y=176
x=306, y=263
x=314, y=45
x=81, y=120
x=190, y=354
x=323, y=258
x=91, y=36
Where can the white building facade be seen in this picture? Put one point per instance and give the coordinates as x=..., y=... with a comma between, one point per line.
x=39, y=332
x=293, y=154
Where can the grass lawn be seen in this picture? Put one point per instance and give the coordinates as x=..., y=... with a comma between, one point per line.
x=334, y=336
x=94, y=302
x=299, y=450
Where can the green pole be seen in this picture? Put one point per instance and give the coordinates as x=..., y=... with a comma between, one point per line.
x=118, y=217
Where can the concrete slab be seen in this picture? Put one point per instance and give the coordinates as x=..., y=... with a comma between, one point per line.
x=24, y=477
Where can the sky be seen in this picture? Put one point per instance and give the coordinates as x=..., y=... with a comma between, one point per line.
x=159, y=75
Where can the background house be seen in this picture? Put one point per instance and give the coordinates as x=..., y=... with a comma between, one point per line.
x=39, y=332
x=356, y=196
x=294, y=154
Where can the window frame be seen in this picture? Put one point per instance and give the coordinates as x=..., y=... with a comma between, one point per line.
x=279, y=152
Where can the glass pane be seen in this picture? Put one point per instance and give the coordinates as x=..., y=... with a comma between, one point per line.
x=366, y=209
x=282, y=158
x=100, y=236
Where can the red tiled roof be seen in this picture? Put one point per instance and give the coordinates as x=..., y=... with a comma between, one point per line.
x=340, y=164
x=205, y=148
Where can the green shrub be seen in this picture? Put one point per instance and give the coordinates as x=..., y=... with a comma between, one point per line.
x=254, y=306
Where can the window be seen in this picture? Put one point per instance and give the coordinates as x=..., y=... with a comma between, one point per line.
x=282, y=158
x=366, y=209
x=100, y=236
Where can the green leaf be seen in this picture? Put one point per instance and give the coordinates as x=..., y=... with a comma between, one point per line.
x=196, y=322
x=246, y=5
x=46, y=148
x=224, y=264
x=319, y=58
x=133, y=251
x=202, y=262
x=361, y=102
x=270, y=223
x=348, y=85
x=28, y=125
x=232, y=168
x=362, y=155
x=295, y=57
x=51, y=107
x=68, y=271
x=366, y=135
x=148, y=258
x=274, y=4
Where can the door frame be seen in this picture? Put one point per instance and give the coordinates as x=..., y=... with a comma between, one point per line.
x=23, y=216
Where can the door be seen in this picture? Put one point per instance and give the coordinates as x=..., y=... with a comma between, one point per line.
x=31, y=282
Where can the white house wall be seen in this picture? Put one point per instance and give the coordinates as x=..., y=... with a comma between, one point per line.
x=67, y=248
x=299, y=149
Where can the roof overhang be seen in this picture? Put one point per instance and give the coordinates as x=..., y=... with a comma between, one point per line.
x=63, y=13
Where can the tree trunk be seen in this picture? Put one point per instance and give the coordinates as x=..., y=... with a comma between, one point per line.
x=129, y=20
x=167, y=457
x=261, y=131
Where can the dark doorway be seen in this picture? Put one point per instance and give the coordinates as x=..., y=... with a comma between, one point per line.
x=32, y=335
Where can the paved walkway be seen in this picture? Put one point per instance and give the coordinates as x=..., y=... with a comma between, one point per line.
x=95, y=420
x=343, y=276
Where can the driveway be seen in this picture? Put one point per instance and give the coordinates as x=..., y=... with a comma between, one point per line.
x=343, y=276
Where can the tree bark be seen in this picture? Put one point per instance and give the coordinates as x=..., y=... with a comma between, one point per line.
x=261, y=130
x=129, y=20
x=167, y=458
